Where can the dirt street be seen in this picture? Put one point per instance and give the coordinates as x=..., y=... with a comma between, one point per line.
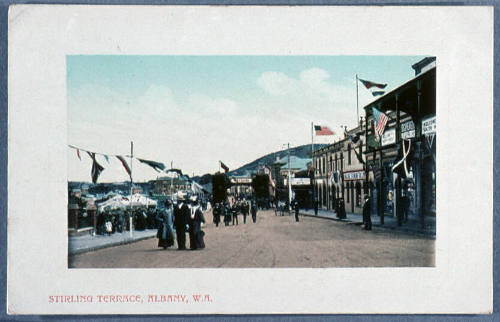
x=274, y=241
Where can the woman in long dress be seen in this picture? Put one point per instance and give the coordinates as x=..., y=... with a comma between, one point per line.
x=166, y=230
x=195, y=233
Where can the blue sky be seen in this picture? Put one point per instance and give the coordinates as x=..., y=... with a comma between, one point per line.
x=196, y=110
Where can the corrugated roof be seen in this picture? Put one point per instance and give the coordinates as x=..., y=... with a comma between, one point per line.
x=295, y=163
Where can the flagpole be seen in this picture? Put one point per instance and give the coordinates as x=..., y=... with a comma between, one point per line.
x=312, y=139
x=131, y=222
x=357, y=98
x=312, y=165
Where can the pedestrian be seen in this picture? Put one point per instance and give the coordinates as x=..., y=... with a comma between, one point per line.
x=181, y=213
x=254, y=211
x=341, y=209
x=282, y=208
x=216, y=212
x=166, y=231
x=406, y=207
x=244, y=210
x=295, y=206
x=227, y=214
x=195, y=233
x=367, y=220
x=316, y=205
x=234, y=211
x=120, y=224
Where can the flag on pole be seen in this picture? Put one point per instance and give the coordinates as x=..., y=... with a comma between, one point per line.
x=124, y=163
x=78, y=154
x=96, y=168
x=380, y=121
x=157, y=166
x=323, y=130
x=223, y=166
x=374, y=86
x=369, y=84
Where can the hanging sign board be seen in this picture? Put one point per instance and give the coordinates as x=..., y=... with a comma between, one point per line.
x=429, y=125
x=388, y=137
x=408, y=130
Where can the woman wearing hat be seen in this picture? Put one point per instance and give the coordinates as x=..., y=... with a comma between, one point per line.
x=166, y=230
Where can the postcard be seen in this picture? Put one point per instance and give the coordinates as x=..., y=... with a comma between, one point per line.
x=250, y=160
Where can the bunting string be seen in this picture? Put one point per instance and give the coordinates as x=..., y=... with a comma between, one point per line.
x=97, y=168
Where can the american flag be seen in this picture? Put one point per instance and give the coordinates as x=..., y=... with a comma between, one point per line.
x=323, y=130
x=380, y=121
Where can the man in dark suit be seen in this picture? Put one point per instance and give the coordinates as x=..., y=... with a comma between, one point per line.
x=181, y=214
x=367, y=220
x=295, y=206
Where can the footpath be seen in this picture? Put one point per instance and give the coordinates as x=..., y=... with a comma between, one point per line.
x=88, y=243
x=413, y=225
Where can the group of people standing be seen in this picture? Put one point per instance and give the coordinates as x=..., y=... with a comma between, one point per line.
x=282, y=206
x=185, y=216
x=230, y=212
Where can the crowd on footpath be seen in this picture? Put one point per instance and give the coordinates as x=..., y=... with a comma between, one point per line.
x=118, y=220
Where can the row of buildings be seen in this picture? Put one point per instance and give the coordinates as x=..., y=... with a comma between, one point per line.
x=400, y=163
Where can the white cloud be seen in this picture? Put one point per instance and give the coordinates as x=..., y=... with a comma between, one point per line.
x=312, y=84
x=277, y=83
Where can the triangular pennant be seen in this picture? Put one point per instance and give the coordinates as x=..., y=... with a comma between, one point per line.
x=96, y=168
x=158, y=166
x=124, y=163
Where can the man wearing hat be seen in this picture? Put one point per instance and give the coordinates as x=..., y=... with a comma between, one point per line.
x=181, y=214
x=367, y=220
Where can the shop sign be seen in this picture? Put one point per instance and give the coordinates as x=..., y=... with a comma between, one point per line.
x=300, y=181
x=408, y=130
x=241, y=180
x=389, y=137
x=357, y=175
x=429, y=125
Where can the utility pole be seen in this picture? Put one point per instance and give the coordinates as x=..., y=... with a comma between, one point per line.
x=289, y=180
x=171, y=181
x=357, y=99
x=131, y=221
